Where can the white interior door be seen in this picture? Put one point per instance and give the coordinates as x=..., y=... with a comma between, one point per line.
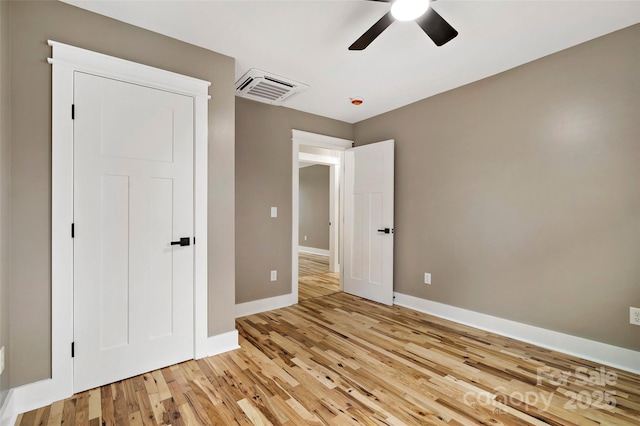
x=368, y=221
x=133, y=196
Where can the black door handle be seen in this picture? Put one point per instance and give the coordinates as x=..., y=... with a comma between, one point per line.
x=184, y=241
x=385, y=230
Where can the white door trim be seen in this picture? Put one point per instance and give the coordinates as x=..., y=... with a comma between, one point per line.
x=325, y=160
x=299, y=137
x=66, y=60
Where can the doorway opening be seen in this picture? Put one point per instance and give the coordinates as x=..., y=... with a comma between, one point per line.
x=316, y=226
x=318, y=193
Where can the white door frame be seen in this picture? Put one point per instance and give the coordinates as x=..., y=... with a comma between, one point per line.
x=299, y=137
x=66, y=60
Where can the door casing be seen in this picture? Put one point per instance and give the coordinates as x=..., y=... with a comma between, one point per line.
x=65, y=61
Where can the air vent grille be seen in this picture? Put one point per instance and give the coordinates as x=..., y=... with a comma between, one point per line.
x=268, y=91
x=261, y=86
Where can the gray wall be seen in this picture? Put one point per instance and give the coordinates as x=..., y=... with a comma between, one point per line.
x=5, y=175
x=32, y=23
x=263, y=179
x=520, y=193
x=314, y=207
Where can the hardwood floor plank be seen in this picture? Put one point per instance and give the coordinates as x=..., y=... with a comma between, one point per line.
x=68, y=412
x=28, y=418
x=129, y=396
x=146, y=412
x=255, y=416
x=82, y=409
x=135, y=419
x=95, y=405
x=172, y=415
x=106, y=406
x=55, y=414
x=121, y=416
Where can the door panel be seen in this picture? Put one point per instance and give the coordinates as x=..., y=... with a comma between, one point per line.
x=133, y=195
x=369, y=191
x=160, y=217
x=356, y=261
x=121, y=137
x=113, y=277
x=376, y=245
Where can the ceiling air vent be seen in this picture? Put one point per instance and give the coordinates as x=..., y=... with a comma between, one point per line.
x=264, y=87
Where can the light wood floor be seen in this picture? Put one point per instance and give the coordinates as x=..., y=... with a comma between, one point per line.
x=314, y=278
x=341, y=360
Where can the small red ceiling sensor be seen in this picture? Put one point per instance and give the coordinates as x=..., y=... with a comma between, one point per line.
x=356, y=101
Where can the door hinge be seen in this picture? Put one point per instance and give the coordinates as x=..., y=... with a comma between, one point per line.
x=73, y=349
x=73, y=230
x=73, y=111
x=194, y=241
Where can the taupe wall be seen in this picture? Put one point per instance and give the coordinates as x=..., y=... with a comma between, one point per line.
x=5, y=175
x=314, y=207
x=32, y=23
x=263, y=179
x=520, y=193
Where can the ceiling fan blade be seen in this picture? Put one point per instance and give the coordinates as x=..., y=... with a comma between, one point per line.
x=373, y=32
x=436, y=27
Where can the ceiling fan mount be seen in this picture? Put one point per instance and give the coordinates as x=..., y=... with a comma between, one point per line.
x=438, y=30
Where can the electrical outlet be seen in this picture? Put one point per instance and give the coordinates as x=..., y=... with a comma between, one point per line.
x=634, y=316
x=427, y=278
x=305, y=238
x=274, y=275
x=274, y=212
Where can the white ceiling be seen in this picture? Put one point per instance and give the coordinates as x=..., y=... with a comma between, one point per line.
x=307, y=41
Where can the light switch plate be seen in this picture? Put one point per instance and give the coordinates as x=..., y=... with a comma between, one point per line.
x=274, y=212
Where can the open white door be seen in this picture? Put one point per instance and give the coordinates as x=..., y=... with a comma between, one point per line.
x=368, y=222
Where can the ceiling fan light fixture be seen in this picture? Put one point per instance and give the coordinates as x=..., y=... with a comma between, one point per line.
x=408, y=10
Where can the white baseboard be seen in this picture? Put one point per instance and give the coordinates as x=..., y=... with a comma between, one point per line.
x=7, y=414
x=219, y=343
x=614, y=356
x=262, y=305
x=29, y=397
x=313, y=250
